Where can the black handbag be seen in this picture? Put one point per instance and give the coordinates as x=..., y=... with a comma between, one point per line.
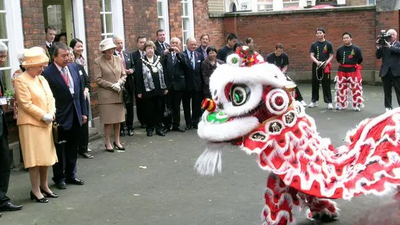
x=125, y=95
x=57, y=133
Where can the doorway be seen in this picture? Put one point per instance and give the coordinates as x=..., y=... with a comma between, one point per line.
x=58, y=13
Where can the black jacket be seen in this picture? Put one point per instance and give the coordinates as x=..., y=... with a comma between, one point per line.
x=159, y=51
x=390, y=59
x=129, y=84
x=175, y=71
x=193, y=77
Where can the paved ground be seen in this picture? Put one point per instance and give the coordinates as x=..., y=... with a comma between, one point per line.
x=153, y=182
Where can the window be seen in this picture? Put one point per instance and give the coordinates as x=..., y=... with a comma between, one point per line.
x=54, y=17
x=187, y=20
x=163, y=20
x=289, y=3
x=10, y=17
x=371, y=2
x=106, y=19
x=265, y=5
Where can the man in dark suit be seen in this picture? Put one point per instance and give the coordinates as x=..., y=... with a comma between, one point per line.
x=5, y=161
x=71, y=113
x=204, y=43
x=136, y=57
x=126, y=127
x=50, y=35
x=390, y=68
x=174, y=64
x=161, y=45
x=193, y=83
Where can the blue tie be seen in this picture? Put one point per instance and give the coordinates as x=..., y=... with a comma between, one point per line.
x=192, y=60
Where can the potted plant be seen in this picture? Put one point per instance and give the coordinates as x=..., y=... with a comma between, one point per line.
x=9, y=95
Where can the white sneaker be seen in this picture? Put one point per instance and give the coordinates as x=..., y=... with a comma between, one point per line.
x=387, y=109
x=330, y=106
x=357, y=109
x=339, y=108
x=313, y=104
x=304, y=103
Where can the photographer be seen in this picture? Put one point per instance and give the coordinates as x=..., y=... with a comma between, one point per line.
x=388, y=48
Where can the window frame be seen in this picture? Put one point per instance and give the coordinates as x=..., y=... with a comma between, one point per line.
x=164, y=17
x=189, y=16
x=117, y=19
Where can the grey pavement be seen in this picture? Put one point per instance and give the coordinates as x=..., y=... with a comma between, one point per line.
x=153, y=182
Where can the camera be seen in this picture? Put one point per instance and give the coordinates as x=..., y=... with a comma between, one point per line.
x=170, y=49
x=384, y=37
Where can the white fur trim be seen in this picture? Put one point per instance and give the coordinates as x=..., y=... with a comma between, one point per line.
x=210, y=161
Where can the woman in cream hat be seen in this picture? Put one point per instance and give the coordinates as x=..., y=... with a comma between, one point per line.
x=36, y=108
x=110, y=76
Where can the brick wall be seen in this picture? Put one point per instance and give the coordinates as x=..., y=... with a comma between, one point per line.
x=33, y=23
x=296, y=31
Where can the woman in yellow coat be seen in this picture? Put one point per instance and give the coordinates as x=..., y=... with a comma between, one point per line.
x=36, y=109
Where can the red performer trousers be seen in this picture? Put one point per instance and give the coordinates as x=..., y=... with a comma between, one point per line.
x=349, y=87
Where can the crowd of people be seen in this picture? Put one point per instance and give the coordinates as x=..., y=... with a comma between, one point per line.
x=52, y=93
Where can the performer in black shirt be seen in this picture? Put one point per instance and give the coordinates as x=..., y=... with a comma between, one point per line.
x=321, y=53
x=228, y=48
x=349, y=76
x=281, y=60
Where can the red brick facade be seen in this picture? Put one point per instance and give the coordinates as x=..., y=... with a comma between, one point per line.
x=33, y=23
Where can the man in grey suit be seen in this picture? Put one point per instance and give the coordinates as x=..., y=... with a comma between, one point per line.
x=390, y=68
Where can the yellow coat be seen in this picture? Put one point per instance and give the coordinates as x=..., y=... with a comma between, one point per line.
x=35, y=99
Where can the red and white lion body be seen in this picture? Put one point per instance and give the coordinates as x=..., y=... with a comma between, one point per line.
x=254, y=111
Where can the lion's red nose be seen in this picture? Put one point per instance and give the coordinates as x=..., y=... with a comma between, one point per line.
x=208, y=104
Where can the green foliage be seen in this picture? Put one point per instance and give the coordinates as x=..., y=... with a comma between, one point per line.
x=9, y=94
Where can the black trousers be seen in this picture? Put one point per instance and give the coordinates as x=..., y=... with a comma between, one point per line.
x=154, y=106
x=192, y=116
x=129, y=116
x=4, y=170
x=299, y=97
x=173, y=102
x=67, y=154
x=83, y=138
x=140, y=110
x=325, y=79
x=390, y=81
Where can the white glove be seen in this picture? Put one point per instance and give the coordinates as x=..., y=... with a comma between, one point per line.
x=116, y=87
x=47, y=118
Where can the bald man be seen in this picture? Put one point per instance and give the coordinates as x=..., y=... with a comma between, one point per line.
x=194, y=84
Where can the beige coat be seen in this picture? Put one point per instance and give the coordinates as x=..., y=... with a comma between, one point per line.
x=105, y=76
x=34, y=98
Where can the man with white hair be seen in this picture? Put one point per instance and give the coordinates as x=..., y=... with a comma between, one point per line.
x=389, y=51
x=5, y=161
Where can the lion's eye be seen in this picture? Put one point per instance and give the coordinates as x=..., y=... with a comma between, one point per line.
x=239, y=94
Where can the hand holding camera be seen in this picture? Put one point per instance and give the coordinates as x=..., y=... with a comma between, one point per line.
x=384, y=39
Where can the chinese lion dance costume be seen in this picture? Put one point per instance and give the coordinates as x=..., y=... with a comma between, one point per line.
x=252, y=108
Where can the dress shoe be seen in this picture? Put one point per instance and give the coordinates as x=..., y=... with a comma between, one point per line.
x=47, y=194
x=188, y=127
x=10, y=207
x=149, y=133
x=130, y=132
x=160, y=133
x=178, y=129
x=89, y=150
x=61, y=185
x=194, y=126
x=122, y=133
x=75, y=181
x=109, y=150
x=86, y=155
x=41, y=200
x=118, y=148
x=166, y=129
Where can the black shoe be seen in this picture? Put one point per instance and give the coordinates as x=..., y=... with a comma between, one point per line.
x=118, y=148
x=149, y=133
x=194, y=126
x=122, y=133
x=160, y=133
x=61, y=185
x=86, y=155
x=10, y=207
x=130, y=132
x=75, y=181
x=178, y=129
x=109, y=150
x=188, y=127
x=166, y=129
x=49, y=195
x=42, y=200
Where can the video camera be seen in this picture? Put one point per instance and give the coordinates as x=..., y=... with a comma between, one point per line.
x=384, y=37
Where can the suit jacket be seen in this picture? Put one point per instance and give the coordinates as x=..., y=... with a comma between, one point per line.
x=175, y=72
x=159, y=51
x=207, y=69
x=3, y=124
x=105, y=76
x=35, y=99
x=200, y=50
x=135, y=58
x=129, y=64
x=390, y=59
x=193, y=77
x=85, y=80
x=66, y=104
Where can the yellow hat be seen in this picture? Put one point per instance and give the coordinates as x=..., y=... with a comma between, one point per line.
x=35, y=56
x=106, y=44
